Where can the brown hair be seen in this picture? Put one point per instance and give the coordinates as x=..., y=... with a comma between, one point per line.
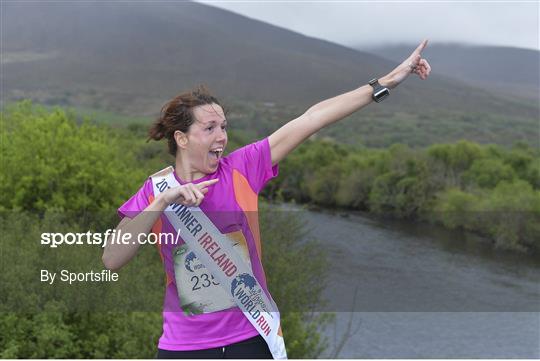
x=177, y=114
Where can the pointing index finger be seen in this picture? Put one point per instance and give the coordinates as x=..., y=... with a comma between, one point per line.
x=207, y=183
x=421, y=47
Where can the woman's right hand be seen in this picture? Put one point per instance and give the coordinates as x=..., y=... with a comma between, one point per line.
x=189, y=194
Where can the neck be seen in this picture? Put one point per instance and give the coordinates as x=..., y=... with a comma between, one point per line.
x=185, y=172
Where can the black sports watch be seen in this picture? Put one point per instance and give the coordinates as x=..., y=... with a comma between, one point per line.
x=379, y=92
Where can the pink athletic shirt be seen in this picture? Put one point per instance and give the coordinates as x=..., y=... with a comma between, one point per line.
x=231, y=204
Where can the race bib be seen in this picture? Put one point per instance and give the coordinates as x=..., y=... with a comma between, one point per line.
x=198, y=291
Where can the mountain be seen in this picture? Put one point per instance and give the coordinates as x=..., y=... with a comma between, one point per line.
x=130, y=57
x=501, y=70
x=158, y=49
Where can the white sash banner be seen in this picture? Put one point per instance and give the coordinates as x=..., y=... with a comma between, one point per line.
x=214, y=251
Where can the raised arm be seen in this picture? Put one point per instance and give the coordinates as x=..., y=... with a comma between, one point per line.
x=329, y=111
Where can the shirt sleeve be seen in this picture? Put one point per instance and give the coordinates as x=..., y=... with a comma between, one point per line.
x=138, y=202
x=254, y=161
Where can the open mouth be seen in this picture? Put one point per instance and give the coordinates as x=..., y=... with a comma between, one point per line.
x=216, y=153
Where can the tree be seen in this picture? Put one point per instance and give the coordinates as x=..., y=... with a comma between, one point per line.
x=52, y=163
x=454, y=159
x=455, y=208
x=512, y=211
x=488, y=172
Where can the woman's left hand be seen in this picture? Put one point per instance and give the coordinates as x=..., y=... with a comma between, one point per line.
x=414, y=64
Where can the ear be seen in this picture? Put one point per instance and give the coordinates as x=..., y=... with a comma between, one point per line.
x=181, y=139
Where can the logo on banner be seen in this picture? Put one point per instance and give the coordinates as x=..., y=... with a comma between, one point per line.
x=244, y=282
x=192, y=263
x=244, y=288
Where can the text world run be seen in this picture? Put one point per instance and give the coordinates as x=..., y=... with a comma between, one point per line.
x=250, y=306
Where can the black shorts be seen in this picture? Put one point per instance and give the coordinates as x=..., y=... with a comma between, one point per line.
x=255, y=348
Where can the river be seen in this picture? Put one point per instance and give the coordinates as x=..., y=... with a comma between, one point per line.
x=424, y=291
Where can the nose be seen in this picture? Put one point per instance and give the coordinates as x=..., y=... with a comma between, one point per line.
x=222, y=135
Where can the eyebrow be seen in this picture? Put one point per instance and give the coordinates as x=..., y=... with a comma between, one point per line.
x=214, y=122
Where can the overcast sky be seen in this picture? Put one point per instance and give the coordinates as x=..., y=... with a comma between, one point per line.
x=369, y=23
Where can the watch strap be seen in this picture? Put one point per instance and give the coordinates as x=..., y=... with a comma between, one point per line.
x=379, y=92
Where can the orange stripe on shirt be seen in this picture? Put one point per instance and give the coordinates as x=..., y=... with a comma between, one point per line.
x=248, y=201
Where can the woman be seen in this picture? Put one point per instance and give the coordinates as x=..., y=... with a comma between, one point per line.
x=199, y=318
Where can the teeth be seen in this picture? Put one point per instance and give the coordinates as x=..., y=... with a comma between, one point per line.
x=217, y=152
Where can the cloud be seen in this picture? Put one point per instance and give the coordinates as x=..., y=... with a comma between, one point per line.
x=384, y=22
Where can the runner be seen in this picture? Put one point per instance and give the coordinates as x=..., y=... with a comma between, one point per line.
x=217, y=303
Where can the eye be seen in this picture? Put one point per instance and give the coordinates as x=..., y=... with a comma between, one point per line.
x=224, y=127
x=210, y=128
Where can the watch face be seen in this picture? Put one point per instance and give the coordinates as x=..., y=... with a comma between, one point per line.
x=381, y=94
